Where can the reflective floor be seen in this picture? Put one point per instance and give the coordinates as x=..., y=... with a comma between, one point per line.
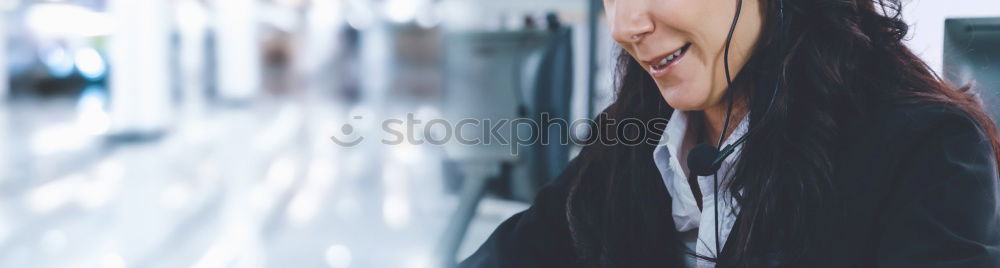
x=256, y=185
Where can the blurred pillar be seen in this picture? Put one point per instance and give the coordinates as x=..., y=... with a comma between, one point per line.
x=191, y=19
x=237, y=50
x=4, y=80
x=594, y=9
x=324, y=24
x=375, y=63
x=138, y=48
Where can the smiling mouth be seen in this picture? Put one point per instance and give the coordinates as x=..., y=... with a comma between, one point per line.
x=666, y=61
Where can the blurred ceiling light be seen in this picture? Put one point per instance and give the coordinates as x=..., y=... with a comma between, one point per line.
x=291, y=3
x=306, y=203
x=395, y=205
x=325, y=13
x=303, y=207
x=321, y=173
x=459, y=14
x=191, y=17
x=261, y=199
x=396, y=212
x=66, y=20
x=428, y=17
x=406, y=152
x=417, y=260
x=91, y=64
x=58, y=138
x=287, y=120
x=232, y=242
x=88, y=192
x=359, y=15
x=55, y=194
x=104, y=184
x=96, y=193
x=281, y=174
x=337, y=256
x=279, y=177
x=402, y=11
x=110, y=169
x=198, y=131
x=112, y=260
x=285, y=19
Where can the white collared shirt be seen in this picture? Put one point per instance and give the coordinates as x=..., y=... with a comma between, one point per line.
x=696, y=228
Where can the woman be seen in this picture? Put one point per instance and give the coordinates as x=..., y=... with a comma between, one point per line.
x=855, y=153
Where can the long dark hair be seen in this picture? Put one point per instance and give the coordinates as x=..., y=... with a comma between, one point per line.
x=839, y=57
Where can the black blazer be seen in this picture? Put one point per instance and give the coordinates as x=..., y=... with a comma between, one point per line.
x=917, y=187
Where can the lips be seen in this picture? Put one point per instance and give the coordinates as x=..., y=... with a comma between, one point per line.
x=661, y=65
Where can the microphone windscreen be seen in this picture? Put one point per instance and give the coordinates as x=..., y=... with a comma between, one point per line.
x=700, y=159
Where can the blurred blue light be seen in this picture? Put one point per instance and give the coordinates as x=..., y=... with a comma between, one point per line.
x=59, y=64
x=91, y=111
x=93, y=96
x=91, y=64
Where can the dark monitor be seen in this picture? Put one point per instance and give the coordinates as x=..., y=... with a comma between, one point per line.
x=485, y=80
x=972, y=57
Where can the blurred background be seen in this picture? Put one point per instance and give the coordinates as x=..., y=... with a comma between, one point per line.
x=198, y=133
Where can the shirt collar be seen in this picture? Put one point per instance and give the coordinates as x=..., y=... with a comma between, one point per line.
x=677, y=135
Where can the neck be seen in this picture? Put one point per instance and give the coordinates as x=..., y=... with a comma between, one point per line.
x=715, y=117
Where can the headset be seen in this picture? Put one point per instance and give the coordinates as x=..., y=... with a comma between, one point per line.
x=705, y=159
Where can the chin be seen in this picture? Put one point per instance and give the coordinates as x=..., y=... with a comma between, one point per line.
x=680, y=101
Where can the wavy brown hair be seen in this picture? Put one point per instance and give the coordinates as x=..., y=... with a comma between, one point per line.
x=839, y=59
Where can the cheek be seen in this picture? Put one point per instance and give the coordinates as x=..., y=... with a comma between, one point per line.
x=691, y=89
x=705, y=76
x=699, y=82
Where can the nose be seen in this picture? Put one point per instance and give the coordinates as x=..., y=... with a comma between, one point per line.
x=630, y=22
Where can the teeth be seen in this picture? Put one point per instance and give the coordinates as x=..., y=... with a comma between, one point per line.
x=669, y=58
